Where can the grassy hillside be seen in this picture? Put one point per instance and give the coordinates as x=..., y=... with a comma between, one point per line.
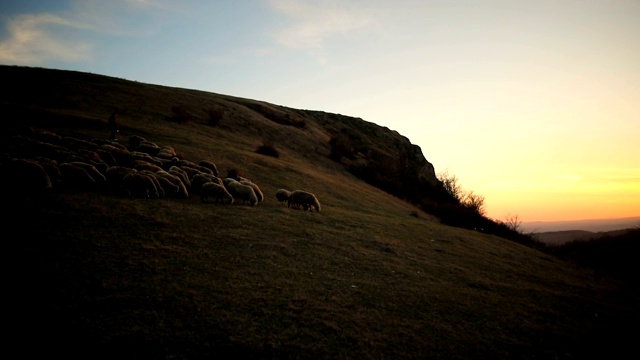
x=370, y=276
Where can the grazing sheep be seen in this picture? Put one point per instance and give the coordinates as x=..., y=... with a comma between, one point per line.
x=156, y=182
x=51, y=167
x=120, y=154
x=210, y=165
x=226, y=181
x=166, y=152
x=191, y=172
x=283, y=195
x=199, y=179
x=115, y=178
x=217, y=191
x=26, y=176
x=179, y=172
x=76, y=177
x=256, y=189
x=140, y=185
x=107, y=157
x=135, y=141
x=139, y=155
x=182, y=191
x=243, y=192
x=305, y=199
x=170, y=189
x=92, y=170
x=145, y=165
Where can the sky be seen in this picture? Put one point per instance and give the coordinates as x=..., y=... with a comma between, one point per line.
x=534, y=105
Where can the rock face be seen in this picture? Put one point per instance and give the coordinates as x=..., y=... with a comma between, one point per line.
x=379, y=156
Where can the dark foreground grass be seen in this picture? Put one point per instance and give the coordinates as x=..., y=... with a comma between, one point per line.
x=107, y=277
x=94, y=275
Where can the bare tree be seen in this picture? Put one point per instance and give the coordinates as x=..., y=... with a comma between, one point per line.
x=474, y=202
x=513, y=222
x=451, y=185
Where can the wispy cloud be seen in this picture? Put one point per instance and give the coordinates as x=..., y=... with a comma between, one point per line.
x=31, y=40
x=71, y=35
x=233, y=57
x=314, y=22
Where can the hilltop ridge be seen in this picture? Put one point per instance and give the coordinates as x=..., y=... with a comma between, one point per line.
x=374, y=153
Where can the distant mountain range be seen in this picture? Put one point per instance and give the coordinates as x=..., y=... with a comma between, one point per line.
x=593, y=225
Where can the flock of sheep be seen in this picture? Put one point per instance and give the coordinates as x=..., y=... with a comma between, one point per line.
x=39, y=161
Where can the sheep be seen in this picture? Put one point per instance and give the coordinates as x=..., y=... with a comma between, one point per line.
x=24, y=175
x=51, y=167
x=76, y=177
x=166, y=152
x=226, y=181
x=199, y=168
x=256, y=189
x=283, y=195
x=305, y=199
x=191, y=172
x=179, y=172
x=217, y=191
x=140, y=185
x=170, y=189
x=92, y=170
x=121, y=155
x=156, y=182
x=145, y=165
x=243, y=192
x=139, y=155
x=115, y=178
x=182, y=188
x=210, y=165
x=199, y=179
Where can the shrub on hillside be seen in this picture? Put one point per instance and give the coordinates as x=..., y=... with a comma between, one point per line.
x=180, y=114
x=214, y=115
x=268, y=149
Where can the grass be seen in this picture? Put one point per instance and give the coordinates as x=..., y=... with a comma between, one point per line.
x=107, y=277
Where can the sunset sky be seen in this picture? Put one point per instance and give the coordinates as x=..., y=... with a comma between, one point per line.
x=533, y=104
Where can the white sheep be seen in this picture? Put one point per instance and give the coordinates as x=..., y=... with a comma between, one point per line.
x=156, y=182
x=177, y=171
x=256, y=189
x=199, y=179
x=210, y=165
x=216, y=191
x=175, y=180
x=243, y=192
x=283, y=195
x=305, y=199
x=226, y=181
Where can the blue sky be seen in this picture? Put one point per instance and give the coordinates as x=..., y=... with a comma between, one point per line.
x=532, y=104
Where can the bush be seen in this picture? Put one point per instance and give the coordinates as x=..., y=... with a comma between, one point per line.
x=180, y=114
x=268, y=149
x=214, y=116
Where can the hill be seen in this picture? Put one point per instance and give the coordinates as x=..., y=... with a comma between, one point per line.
x=591, y=225
x=97, y=274
x=554, y=238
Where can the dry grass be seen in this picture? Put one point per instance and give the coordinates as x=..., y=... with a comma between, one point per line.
x=106, y=277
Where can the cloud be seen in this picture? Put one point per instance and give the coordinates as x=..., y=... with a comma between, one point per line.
x=71, y=35
x=235, y=56
x=313, y=23
x=31, y=39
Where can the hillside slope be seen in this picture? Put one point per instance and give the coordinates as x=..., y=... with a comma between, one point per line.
x=370, y=276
